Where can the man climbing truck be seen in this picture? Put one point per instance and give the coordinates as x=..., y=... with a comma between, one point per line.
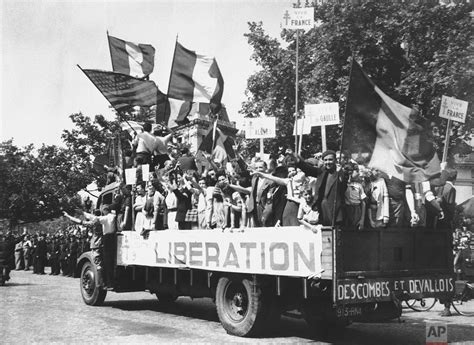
x=332, y=276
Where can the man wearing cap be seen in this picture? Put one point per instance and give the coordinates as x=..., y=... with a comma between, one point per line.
x=329, y=187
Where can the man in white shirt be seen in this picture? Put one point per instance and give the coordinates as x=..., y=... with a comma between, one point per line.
x=109, y=228
x=145, y=142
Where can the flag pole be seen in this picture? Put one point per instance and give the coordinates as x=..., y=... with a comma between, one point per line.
x=110, y=50
x=296, y=91
x=334, y=215
x=446, y=141
x=345, y=109
x=169, y=82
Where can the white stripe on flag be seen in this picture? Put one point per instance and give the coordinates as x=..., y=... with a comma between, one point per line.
x=204, y=84
x=389, y=150
x=135, y=59
x=219, y=152
x=175, y=107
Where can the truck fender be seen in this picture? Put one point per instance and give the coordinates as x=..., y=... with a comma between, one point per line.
x=85, y=257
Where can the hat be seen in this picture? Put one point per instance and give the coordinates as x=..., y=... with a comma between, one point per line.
x=327, y=153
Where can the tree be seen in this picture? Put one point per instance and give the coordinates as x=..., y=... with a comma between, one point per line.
x=37, y=184
x=88, y=140
x=415, y=53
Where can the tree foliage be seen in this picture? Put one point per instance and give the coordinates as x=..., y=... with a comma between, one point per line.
x=37, y=184
x=415, y=53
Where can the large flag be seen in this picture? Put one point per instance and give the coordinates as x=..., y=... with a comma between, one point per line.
x=177, y=112
x=195, y=78
x=384, y=134
x=130, y=58
x=124, y=91
x=173, y=112
x=218, y=144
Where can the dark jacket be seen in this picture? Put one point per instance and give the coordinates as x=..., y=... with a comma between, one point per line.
x=7, y=249
x=327, y=198
x=183, y=204
x=41, y=249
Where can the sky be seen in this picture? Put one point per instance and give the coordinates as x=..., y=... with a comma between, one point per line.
x=43, y=41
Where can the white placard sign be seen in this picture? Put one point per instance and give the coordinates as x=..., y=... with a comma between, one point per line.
x=260, y=127
x=298, y=18
x=323, y=114
x=145, y=172
x=453, y=109
x=131, y=176
x=303, y=125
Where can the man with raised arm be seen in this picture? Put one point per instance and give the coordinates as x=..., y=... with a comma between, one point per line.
x=329, y=188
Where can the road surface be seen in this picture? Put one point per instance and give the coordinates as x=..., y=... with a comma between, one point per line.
x=49, y=309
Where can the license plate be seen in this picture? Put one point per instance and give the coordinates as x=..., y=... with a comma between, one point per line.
x=348, y=311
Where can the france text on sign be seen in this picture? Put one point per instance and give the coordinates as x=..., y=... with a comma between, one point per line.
x=453, y=109
x=298, y=18
x=289, y=251
x=323, y=114
x=260, y=127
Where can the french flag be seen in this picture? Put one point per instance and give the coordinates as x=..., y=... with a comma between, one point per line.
x=134, y=59
x=195, y=78
x=384, y=134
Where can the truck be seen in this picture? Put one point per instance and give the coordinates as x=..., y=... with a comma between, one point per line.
x=331, y=278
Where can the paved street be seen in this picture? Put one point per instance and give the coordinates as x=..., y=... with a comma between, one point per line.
x=49, y=309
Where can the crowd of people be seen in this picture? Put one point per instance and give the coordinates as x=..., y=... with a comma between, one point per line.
x=33, y=252
x=326, y=189
x=329, y=188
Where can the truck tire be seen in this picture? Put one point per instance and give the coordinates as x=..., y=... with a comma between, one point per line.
x=91, y=292
x=242, y=309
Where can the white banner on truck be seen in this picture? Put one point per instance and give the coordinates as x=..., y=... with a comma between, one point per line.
x=289, y=251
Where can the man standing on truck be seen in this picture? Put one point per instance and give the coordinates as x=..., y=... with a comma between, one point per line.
x=329, y=188
x=106, y=241
x=145, y=142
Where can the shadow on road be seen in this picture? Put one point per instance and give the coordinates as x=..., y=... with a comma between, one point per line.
x=12, y=284
x=386, y=333
x=198, y=309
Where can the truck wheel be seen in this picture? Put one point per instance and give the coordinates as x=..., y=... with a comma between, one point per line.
x=166, y=298
x=92, y=294
x=241, y=308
